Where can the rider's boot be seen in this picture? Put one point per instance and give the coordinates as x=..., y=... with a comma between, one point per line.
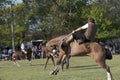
x=67, y=41
x=64, y=44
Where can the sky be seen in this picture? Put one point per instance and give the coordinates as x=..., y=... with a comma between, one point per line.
x=17, y=1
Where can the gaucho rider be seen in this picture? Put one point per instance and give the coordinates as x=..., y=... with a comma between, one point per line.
x=88, y=36
x=23, y=49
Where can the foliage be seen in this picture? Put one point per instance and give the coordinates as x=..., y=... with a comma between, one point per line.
x=43, y=19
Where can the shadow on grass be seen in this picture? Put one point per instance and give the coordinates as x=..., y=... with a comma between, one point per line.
x=86, y=67
x=39, y=64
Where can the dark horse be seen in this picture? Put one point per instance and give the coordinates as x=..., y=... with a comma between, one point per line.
x=50, y=45
x=93, y=49
x=19, y=55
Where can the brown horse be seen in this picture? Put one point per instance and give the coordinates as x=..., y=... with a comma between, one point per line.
x=19, y=55
x=50, y=45
x=93, y=49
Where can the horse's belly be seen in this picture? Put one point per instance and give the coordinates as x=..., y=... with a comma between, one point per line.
x=78, y=54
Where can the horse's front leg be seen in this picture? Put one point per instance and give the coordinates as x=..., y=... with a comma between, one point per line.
x=14, y=59
x=58, y=64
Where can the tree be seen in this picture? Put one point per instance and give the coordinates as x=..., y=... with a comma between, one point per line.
x=42, y=19
x=104, y=22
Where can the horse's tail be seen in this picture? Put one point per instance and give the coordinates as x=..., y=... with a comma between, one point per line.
x=107, y=51
x=108, y=54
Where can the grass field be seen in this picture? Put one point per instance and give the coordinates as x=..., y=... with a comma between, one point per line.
x=81, y=68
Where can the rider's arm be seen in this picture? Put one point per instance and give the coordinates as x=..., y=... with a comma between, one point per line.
x=80, y=28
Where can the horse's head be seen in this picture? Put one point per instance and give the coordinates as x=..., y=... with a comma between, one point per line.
x=53, y=44
x=49, y=48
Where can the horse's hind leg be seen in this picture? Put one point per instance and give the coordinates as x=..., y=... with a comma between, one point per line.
x=106, y=68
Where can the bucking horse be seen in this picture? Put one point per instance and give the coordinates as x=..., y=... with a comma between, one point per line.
x=54, y=44
x=92, y=49
x=19, y=55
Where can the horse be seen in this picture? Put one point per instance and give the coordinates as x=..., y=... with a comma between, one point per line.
x=19, y=55
x=50, y=46
x=92, y=49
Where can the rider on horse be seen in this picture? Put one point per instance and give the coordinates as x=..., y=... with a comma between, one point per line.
x=88, y=36
x=23, y=48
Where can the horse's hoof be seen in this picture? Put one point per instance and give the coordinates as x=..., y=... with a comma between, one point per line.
x=52, y=73
x=55, y=73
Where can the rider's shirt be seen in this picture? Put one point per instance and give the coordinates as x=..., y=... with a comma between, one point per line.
x=85, y=26
x=91, y=31
x=22, y=46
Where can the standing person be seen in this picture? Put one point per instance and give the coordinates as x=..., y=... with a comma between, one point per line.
x=42, y=52
x=10, y=54
x=88, y=36
x=39, y=50
x=34, y=52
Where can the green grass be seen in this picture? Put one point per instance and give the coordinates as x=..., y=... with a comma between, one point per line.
x=81, y=68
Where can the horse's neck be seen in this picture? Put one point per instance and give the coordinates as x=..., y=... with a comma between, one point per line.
x=19, y=52
x=55, y=41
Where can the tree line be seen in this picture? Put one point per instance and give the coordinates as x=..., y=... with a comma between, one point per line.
x=44, y=19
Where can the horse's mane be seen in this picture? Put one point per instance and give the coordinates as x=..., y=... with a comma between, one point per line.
x=55, y=40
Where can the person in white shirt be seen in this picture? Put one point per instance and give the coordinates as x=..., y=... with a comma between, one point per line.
x=88, y=36
x=23, y=48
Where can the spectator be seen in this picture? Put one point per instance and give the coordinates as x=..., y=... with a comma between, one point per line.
x=42, y=52
x=34, y=51
x=10, y=53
